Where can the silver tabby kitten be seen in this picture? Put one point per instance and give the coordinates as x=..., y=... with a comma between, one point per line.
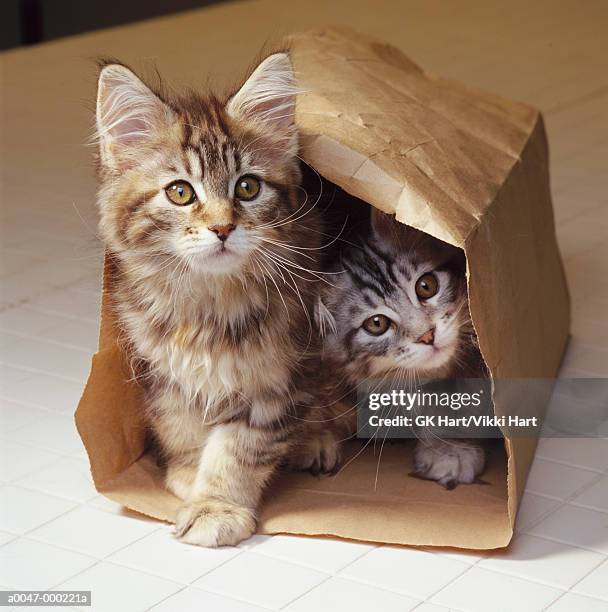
x=400, y=310
x=210, y=234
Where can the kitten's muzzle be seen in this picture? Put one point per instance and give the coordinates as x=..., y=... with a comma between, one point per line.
x=428, y=337
x=223, y=231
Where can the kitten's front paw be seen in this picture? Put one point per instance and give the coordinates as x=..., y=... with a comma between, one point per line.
x=449, y=462
x=211, y=522
x=318, y=455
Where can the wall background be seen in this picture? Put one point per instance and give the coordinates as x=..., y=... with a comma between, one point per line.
x=27, y=22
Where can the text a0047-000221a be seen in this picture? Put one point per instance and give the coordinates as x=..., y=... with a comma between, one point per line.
x=45, y=598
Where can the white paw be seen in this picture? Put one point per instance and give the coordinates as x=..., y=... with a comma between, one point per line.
x=449, y=462
x=319, y=455
x=211, y=522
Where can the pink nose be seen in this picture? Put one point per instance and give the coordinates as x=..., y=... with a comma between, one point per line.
x=428, y=337
x=222, y=231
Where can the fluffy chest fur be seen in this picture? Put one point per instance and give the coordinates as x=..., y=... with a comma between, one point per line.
x=215, y=346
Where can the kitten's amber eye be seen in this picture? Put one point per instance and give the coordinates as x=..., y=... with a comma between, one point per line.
x=377, y=325
x=427, y=286
x=247, y=188
x=180, y=193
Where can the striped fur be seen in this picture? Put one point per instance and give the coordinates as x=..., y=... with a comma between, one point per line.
x=379, y=277
x=220, y=330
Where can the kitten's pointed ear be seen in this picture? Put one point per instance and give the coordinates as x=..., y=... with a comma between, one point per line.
x=128, y=114
x=383, y=226
x=324, y=319
x=269, y=95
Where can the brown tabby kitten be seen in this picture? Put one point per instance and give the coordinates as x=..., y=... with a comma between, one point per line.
x=213, y=238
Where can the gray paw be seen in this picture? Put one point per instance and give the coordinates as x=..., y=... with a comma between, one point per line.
x=449, y=462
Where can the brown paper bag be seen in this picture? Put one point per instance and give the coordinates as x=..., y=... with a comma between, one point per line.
x=464, y=166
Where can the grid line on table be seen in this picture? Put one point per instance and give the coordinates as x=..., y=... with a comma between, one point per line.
x=29, y=370
x=345, y=578
x=37, y=406
x=202, y=590
x=573, y=587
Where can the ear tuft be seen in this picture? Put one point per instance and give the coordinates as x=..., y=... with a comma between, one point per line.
x=128, y=112
x=268, y=95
